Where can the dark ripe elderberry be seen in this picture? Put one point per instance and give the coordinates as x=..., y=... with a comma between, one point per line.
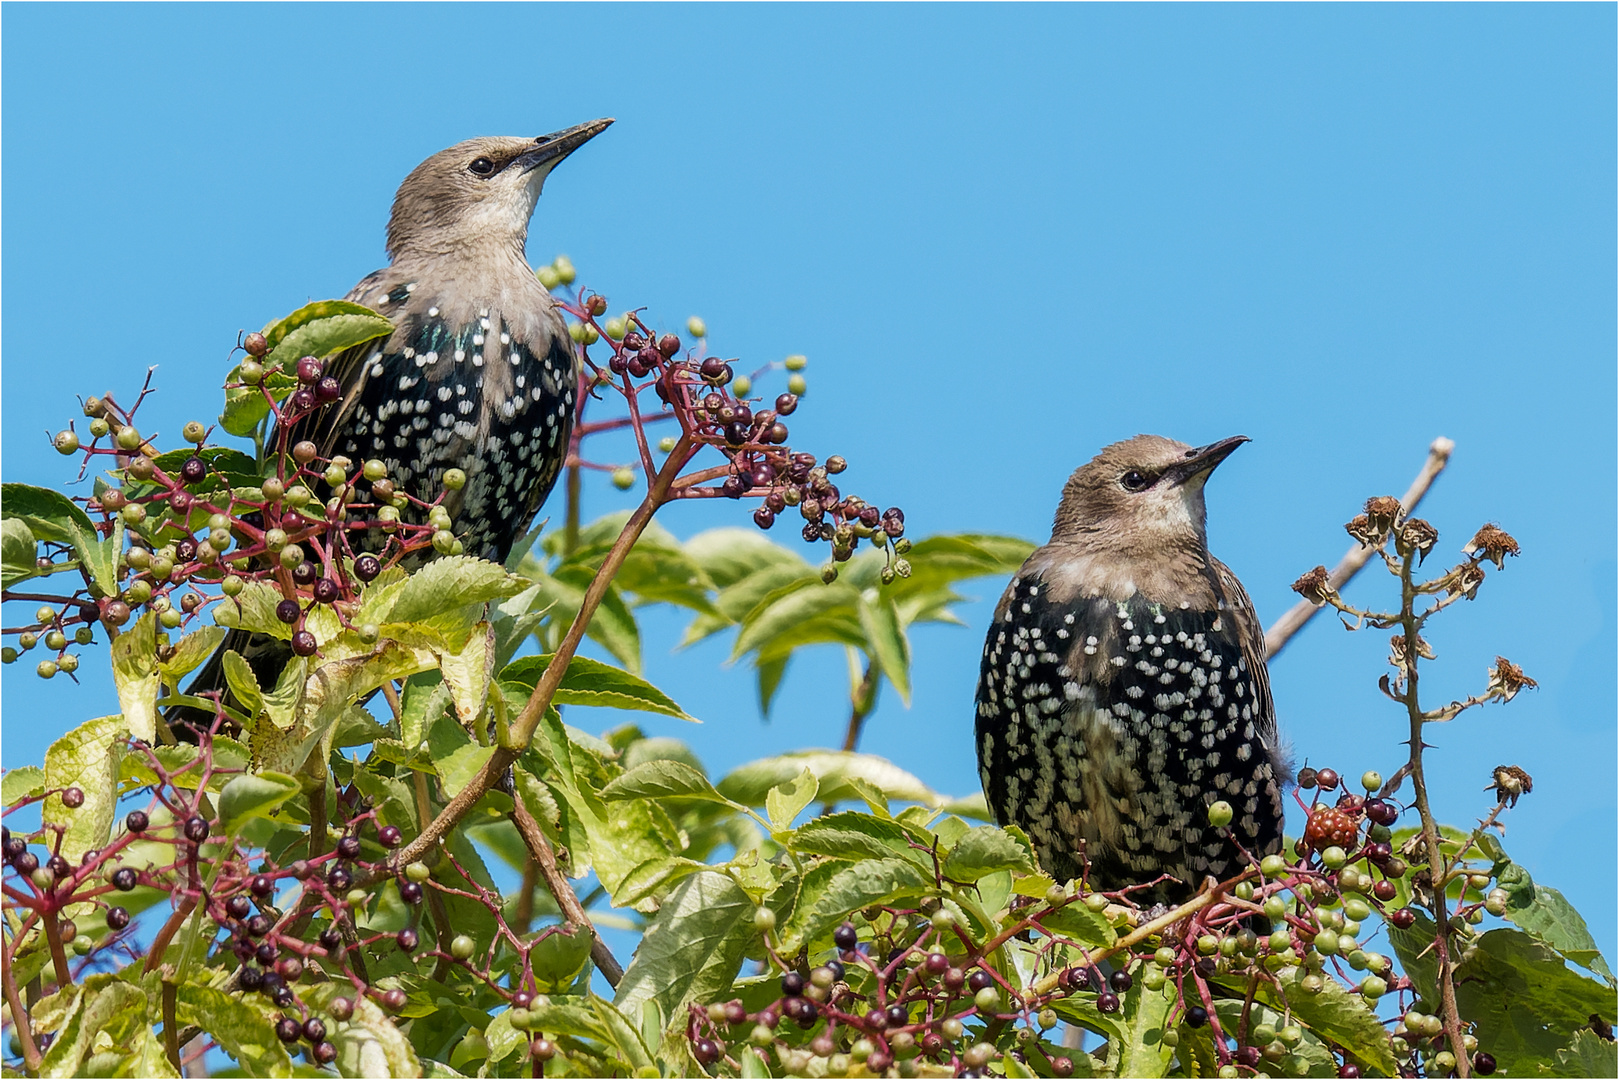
x=734, y=487
x=1403, y=919
x=193, y=469
x=303, y=400
x=715, y=370
x=288, y=1030
x=266, y=953
x=1379, y=853
x=137, y=821
x=617, y=364
x=117, y=918
x=410, y=892
x=668, y=344
x=763, y=476
x=1121, y=981
x=837, y=970
x=288, y=611
x=15, y=846
x=123, y=879
x=953, y=979
x=877, y=1019
x=394, y=1000
x=185, y=551
x=290, y=968
x=304, y=573
x=763, y=517
x=389, y=836
x=1327, y=779
x=1107, y=1001
x=367, y=567
x=869, y=517
x=1349, y=1071
x=1350, y=803
x=786, y=404
x=26, y=863
x=348, y=847
x=328, y=389
x=636, y=367
x=936, y=964
x=898, y=1016
x=1306, y=778
x=59, y=866
x=408, y=939
x=304, y=644
x=1196, y=1016
x=634, y=342
x=811, y=533
x=331, y=937
x=705, y=1051
x=261, y=885
x=309, y=369
x=1384, y=891
x=340, y=1008
x=250, y=978
x=180, y=501
x=314, y=1030
x=1484, y=1064
x=792, y=984
x=650, y=358
x=735, y=1012
x=339, y=879
x=283, y=997
x=1380, y=812
x=979, y=980
x=237, y=907
x=736, y=433
x=196, y=829
x=775, y=434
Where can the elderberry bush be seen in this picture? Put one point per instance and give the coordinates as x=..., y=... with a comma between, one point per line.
x=397, y=859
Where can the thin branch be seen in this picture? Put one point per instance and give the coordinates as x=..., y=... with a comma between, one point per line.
x=540, y=850
x=1283, y=629
x=21, y=1022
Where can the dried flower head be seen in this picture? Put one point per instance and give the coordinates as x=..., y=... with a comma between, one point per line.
x=1400, y=652
x=1417, y=535
x=1506, y=679
x=1373, y=527
x=1465, y=579
x=1509, y=782
x=1493, y=544
x=1314, y=586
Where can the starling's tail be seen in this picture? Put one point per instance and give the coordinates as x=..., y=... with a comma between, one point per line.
x=266, y=656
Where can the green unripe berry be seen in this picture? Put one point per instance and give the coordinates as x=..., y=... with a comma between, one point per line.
x=1371, y=780
x=1357, y=909
x=194, y=432
x=128, y=438
x=171, y=619
x=374, y=470
x=623, y=479
x=444, y=542
x=1228, y=1072
x=162, y=568
x=563, y=267
x=1047, y=1019
x=454, y=479
x=46, y=614
x=696, y=327
x=138, y=592
x=1220, y=813
x=1280, y=941
x=548, y=277
x=297, y=496
x=1207, y=944
x=232, y=585
x=764, y=920
x=1372, y=988
x=1496, y=902
x=27, y=640
x=797, y=385
x=1096, y=902
x=978, y=1055
x=952, y=1028
x=1444, y=1063
x=83, y=944
x=418, y=872
x=1326, y=943
x=1334, y=857
x=369, y=633
x=99, y=427
x=943, y=919
x=46, y=669
x=1351, y=927
x=861, y=1049
x=1171, y=1038
x=133, y=514
x=438, y=517
x=1165, y=956
x=388, y=515
x=741, y=386
x=1262, y=1034
x=615, y=326
x=219, y=539
x=462, y=946
x=1154, y=978
x=68, y=663
x=66, y=442
x=275, y=541
x=988, y=999
x=251, y=372
x=1312, y=984
x=1273, y=866
x=292, y=556
x=1244, y=890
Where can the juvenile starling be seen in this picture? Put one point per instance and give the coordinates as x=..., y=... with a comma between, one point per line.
x=479, y=373
x=1123, y=687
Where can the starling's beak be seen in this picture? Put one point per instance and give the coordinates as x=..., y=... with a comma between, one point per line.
x=549, y=150
x=1198, y=463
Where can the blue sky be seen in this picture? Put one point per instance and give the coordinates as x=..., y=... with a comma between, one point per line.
x=1004, y=236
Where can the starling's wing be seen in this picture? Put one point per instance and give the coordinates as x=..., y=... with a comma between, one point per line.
x=1252, y=637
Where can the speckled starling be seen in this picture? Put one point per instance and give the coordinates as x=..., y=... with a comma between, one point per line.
x=1123, y=687
x=479, y=373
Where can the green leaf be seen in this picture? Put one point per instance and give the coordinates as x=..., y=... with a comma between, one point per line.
x=190, y=652
x=242, y=1028
x=254, y=609
x=1139, y=1048
x=318, y=329
x=851, y=887
x=48, y=514
x=663, y=779
x=784, y=802
x=612, y=626
x=750, y=783
x=103, y=1001
x=783, y=617
x=18, y=550
x=1081, y=925
x=622, y=1034
x=854, y=836
x=1336, y=1015
x=887, y=643
x=371, y=1044
x=1587, y=1055
x=253, y=795
x=1526, y=1002
x=988, y=850
x=692, y=948
x=591, y=682
x=88, y=758
x=770, y=676
x=735, y=601
x=728, y=555
x=1543, y=912
x=448, y=584
x=134, y=674
x=22, y=783
x=239, y=677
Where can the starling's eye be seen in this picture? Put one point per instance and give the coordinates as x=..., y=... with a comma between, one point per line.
x=481, y=167
x=1134, y=481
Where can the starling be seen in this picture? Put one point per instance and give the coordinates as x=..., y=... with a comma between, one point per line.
x=1123, y=688
x=479, y=373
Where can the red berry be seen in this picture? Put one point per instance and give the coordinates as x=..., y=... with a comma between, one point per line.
x=394, y=1000
x=303, y=400
x=1327, y=778
x=1328, y=827
x=1349, y=1070
x=1384, y=891
x=309, y=369
x=1403, y=918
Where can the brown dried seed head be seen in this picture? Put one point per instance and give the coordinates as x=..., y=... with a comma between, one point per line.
x=1509, y=782
x=1360, y=527
x=1418, y=535
x=1467, y=579
x=1400, y=653
x=1494, y=543
x=1383, y=511
x=1313, y=586
x=1506, y=679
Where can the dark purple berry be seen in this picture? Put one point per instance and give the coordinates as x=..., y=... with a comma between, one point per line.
x=668, y=344
x=290, y=968
x=309, y=369
x=836, y=968
x=261, y=885
x=123, y=879
x=185, y=551
x=936, y=963
x=59, y=866
x=303, y=400
x=734, y=487
x=340, y=1008
x=305, y=573
x=288, y=611
x=137, y=821
x=879, y=1061
x=979, y=980
x=1196, y=1016
x=314, y=1030
x=705, y=1051
x=1403, y=919
x=117, y=918
x=250, y=978
x=339, y=879
x=408, y=939
x=288, y=1030
x=1062, y=1067
x=1483, y=1064
x=304, y=644
x=1107, y=1001
x=736, y=432
x=328, y=389
x=26, y=863
x=792, y=984
x=1381, y=812
x=786, y=403
x=238, y=907
x=193, y=469
x=1120, y=981
x=180, y=501
x=266, y=953
x=348, y=847
x=196, y=829
x=1327, y=779
x=1384, y=891
x=735, y=1012
x=394, y=1000
x=367, y=567
x=1248, y=1057
x=775, y=434
x=1349, y=1071
x=389, y=836
x=331, y=937
x=763, y=517
x=410, y=892
x=898, y=1016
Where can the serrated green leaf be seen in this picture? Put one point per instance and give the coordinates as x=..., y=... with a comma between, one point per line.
x=622, y=1035
x=591, y=682
x=692, y=947
x=243, y=685
x=783, y=617
x=1336, y=1015
x=103, y=1000
x=1079, y=924
x=371, y=1044
x=1588, y=1054
x=728, y=555
x=254, y=609
x=281, y=704
x=750, y=783
x=855, y=836
x=243, y=1029
x=785, y=801
x=887, y=643
x=88, y=758
x=1545, y=914
x=22, y=783
x=450, y=582
x=190, y=652
x=737, y=599
x=663, y=780
x=318, y=329
x=988, y=850
x=1139, y=1049
x=49, y=514
x=1526, y=1002
x=854, y=886
x=134, y=674
x=18, y=550
x=253, y=795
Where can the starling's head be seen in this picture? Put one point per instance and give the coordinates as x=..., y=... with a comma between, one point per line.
x=478, y=192
x=1141, y=496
